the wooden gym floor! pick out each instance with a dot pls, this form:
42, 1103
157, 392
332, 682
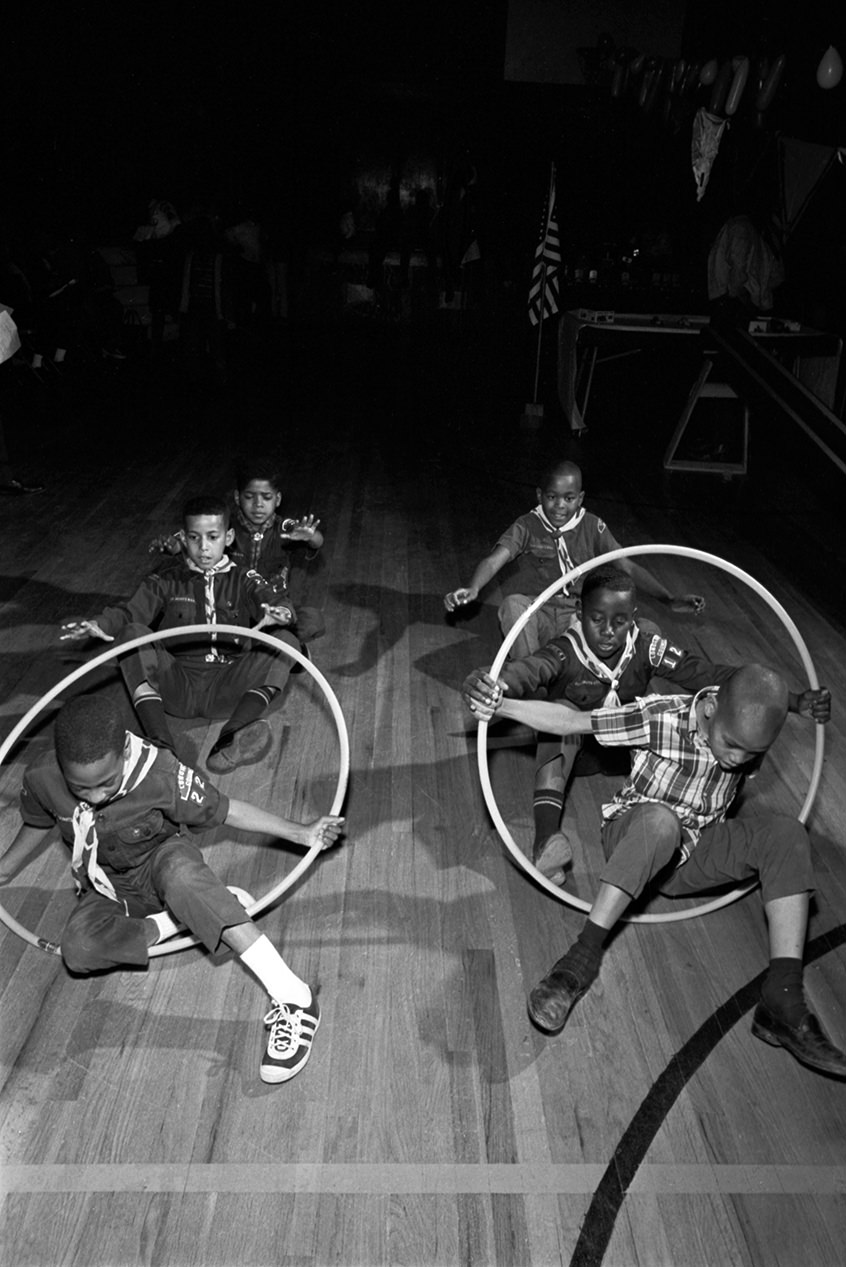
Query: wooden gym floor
433, 1124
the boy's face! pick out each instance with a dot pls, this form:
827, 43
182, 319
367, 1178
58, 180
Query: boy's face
735, 740
206, 539
607, 617
561, 499
95, 782
258, 500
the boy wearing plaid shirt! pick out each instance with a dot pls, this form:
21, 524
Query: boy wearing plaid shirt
606, 657
669, 821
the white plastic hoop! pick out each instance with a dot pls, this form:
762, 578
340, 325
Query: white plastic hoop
505, 836
182, 943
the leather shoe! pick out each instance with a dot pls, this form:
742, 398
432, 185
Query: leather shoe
807, 1041
554, 855
245, 747
553, 998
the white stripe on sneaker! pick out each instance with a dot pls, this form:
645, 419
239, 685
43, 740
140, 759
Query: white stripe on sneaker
292, 1031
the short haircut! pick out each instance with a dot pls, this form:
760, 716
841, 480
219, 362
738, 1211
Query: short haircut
609, 577
258, 466
88, 728
206, 504
561, 466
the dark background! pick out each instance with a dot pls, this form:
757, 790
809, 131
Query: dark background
300, 113
280, 112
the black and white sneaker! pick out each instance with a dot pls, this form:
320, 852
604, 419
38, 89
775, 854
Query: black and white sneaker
292, 1031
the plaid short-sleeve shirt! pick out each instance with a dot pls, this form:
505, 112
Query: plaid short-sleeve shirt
672, 764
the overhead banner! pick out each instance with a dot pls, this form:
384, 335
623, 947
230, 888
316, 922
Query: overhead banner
802, 166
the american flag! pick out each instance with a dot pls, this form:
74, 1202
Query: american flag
543, 292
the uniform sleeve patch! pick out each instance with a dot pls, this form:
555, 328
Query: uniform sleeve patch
191, 786
657, 647
670, 656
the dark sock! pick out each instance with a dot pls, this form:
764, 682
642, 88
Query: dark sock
151, 714
249, 708
593, 937
782, 990
584, 957
547, 807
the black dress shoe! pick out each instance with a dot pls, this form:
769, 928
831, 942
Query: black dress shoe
807, 1041
553, 998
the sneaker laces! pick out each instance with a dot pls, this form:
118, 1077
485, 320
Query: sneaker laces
286, 1029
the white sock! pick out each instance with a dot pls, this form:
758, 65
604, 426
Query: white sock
265, 962
166, 925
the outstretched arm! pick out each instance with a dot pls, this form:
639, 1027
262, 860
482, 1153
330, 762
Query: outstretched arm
246, 817
75, 630
552, 719
25, 843
305, 529
485, 572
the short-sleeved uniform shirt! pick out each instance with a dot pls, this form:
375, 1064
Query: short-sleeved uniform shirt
171, 800
528, 541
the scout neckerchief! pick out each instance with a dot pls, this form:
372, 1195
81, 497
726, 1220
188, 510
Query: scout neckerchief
564, 561
612, 676
208, 575
136, 766
257, 535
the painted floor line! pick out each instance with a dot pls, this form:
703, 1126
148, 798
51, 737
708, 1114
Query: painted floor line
362, 1179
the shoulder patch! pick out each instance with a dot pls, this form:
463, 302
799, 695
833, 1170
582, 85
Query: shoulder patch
657, 647
191, 786
601, 525
672, 655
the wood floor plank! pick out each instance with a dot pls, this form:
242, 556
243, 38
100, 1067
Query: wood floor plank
434, 1124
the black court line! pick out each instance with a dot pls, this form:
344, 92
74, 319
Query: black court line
607, 1201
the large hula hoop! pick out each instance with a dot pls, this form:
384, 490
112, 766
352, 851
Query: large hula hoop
273, 894
505, 836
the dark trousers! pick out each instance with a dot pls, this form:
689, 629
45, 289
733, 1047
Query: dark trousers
203, 689
771, 848
104, 934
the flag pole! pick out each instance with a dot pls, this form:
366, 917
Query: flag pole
540, 337
533, 411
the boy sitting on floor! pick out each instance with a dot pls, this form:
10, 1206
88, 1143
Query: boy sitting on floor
552, 539
605, 657
211, 676
668, 823
127, 809
264, 542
